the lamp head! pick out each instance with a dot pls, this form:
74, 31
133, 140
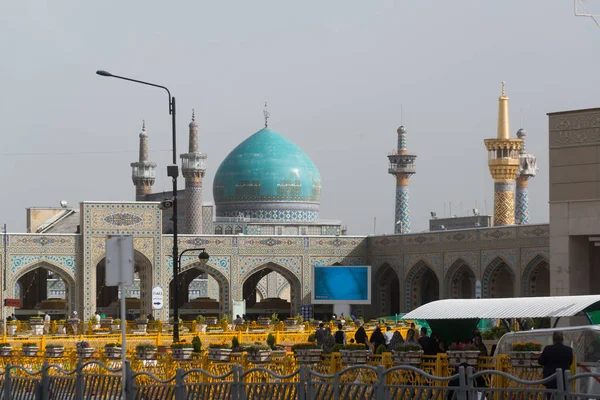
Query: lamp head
103, 73
203, 257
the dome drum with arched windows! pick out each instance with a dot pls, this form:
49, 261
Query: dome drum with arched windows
268, 177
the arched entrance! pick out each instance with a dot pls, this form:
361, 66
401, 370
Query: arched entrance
498, 280
44, 287
273, 285
205, 304
137, 297
265, 306
422, 286
536, 277
388, 291
460, 281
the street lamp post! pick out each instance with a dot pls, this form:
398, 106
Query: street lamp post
173, 172
203, 257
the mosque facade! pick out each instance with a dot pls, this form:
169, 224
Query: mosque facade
264, 235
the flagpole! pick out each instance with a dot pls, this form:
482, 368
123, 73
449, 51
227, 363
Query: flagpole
4, 258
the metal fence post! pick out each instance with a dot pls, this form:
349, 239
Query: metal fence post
79, 381
380, 389
301, 391
235, 388
309, 388
7, 391
561, 383
336, 386
179, 386
44, 384
130, 391
465, 383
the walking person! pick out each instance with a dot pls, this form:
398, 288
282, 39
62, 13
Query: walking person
554, 356
340, 336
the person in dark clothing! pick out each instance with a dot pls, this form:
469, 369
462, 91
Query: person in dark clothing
340, 336
428, 345
320, 334
360, 336
478, 342
555, 356
377, 339
150, 317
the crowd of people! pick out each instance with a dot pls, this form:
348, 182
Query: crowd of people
390, 339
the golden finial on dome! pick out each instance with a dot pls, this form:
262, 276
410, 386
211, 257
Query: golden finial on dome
503, 90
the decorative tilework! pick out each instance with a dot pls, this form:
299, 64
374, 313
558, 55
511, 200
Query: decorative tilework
489, 285
117, 217
122, 219
283, 215
530, 273
497, 234
504, 204
402, 215
420, 239
522, 206
43, 240
432, 259
534, 231
387, 241
529, 253
338, 242
249, 265
65, 263
459, 236
326, 261
469, 258
508, 255
219, 263
415, 281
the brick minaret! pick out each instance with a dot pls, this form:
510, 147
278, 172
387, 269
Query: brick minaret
527, 170
193, 167
402, 166
143, 172
503, 161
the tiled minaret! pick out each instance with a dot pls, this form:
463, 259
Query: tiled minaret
503, 161
192, 168
402, 166
527, 170
143, 172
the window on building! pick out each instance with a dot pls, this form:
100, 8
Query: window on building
279, 230
228, 230
303, 230
218, 230
238, 229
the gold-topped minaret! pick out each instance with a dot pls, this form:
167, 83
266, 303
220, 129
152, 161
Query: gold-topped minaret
503, 160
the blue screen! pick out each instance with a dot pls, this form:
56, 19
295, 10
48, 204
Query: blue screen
341, 283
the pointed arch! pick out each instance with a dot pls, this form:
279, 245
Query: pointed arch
59, 270
224, 289
535, 280
387, 284
422, 285
498, 279
295, 285
460, 281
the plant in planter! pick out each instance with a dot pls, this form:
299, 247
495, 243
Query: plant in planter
197, 343
182, 350
84, 350
219, 351
200, 323
54, 350
235, 345
115, 325
299, 319
145, 351
381, 349
525, 354
271, 340
258, 353
462, 353
312, 338
112, 350
274, 318
309, 352
336, 348
29, 349
354, 354
5, 349
407, 354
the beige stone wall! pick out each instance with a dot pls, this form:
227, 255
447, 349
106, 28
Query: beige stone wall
574, 142
37, 216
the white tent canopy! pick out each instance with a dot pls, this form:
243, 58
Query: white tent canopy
519, 307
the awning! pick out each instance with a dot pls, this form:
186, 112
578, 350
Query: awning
517, 307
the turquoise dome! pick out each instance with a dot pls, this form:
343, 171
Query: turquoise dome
268, 177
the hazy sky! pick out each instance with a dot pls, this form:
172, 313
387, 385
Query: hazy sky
335, 74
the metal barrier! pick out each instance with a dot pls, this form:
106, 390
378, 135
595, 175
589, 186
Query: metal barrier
95, 380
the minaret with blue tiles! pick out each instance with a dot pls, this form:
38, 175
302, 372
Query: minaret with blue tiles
402, 166
527, 170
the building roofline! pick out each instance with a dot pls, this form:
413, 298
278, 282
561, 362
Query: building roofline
573, 111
